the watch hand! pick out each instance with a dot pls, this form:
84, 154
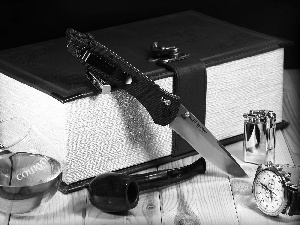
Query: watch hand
272, 193
266, 188
164, 108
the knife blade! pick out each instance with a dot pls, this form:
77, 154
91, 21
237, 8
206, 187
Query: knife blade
203, 141
164, 107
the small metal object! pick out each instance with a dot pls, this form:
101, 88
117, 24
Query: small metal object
167, 102
103, 87
259, 136
187, 114
161, 54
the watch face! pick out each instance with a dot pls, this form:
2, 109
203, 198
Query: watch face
269, 193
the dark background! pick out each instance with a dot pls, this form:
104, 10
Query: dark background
28, 21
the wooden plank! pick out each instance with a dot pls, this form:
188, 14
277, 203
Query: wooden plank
291, 111
60, 210
146, 212
247, 211
204, 199
4, 218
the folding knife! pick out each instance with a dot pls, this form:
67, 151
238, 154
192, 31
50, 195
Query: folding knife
105, 66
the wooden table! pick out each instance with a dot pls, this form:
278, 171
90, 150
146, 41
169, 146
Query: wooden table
211, 198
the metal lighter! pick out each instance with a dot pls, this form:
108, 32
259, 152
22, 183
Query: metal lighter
259, 136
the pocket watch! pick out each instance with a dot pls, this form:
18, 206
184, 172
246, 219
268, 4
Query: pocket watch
276, 189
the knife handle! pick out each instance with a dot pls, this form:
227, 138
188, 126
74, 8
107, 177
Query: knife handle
105, 65
161, 105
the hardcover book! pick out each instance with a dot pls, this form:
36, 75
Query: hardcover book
92, 132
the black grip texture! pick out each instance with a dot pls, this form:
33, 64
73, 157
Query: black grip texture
161, 105
111, 68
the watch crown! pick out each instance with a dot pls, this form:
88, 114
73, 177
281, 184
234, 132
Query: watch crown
289, 183
295, 187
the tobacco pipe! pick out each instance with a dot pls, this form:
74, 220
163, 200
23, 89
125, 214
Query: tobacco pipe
117, 192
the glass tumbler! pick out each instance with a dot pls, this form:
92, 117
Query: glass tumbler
27, 180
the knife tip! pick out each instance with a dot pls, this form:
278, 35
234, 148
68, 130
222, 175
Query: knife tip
240, 174
237, 171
